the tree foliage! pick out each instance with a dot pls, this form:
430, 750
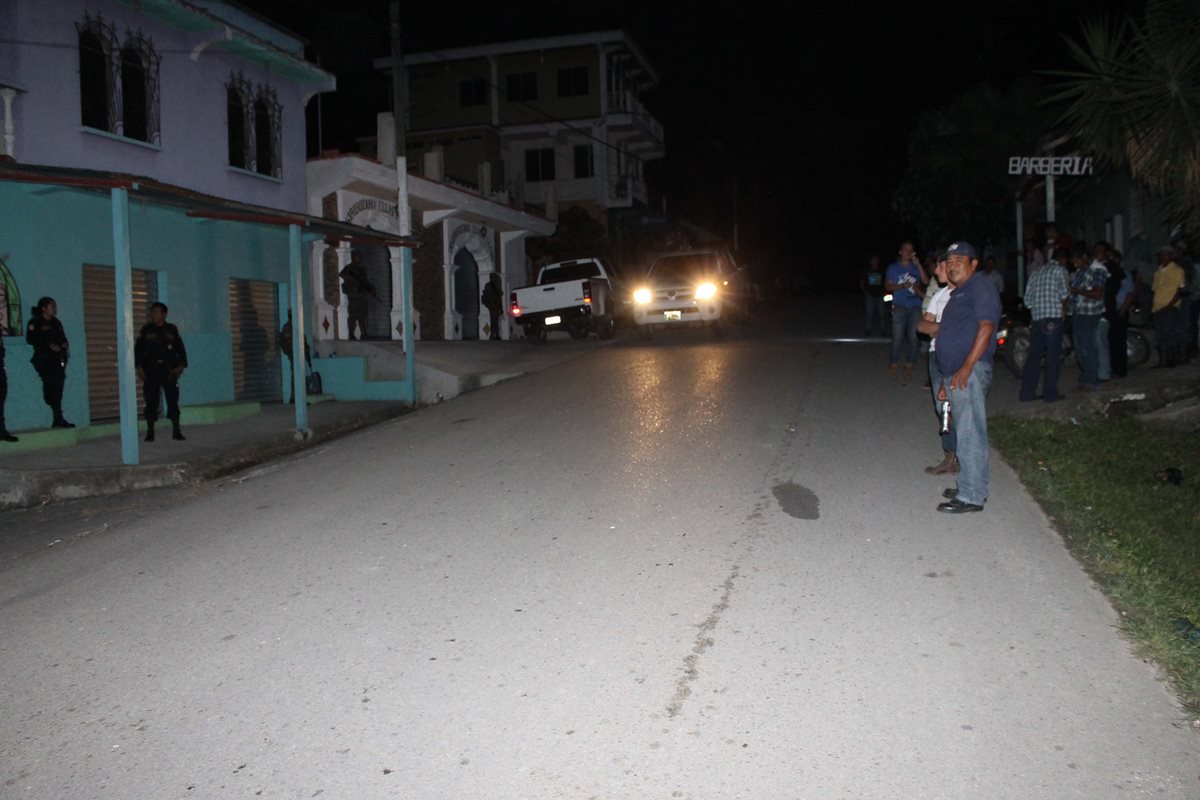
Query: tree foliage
957, 185
1135, 100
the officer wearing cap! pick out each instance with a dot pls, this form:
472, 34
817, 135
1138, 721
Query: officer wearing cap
966, 345
161, 359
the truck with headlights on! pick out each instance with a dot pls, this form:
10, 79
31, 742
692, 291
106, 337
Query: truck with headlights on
690, 287
579, 297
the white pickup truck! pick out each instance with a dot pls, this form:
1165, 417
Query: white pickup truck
577, 296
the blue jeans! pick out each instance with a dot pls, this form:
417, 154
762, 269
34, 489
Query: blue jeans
970, 422
1103, 358
904, 332
1045, 341
1087, 347
935, 383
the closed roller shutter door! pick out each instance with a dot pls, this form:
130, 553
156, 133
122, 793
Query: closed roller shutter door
254, 326
100, 330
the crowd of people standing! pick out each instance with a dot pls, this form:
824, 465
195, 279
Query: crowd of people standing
1083, 290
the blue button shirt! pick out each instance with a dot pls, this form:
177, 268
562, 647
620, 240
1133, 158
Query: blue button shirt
975, 301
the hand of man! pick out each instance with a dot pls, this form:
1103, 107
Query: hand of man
177, 371
941, 395
960, 378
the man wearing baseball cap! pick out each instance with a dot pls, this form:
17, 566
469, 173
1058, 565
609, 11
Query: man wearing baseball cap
966, 344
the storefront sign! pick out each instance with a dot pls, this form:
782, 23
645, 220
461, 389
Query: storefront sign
1050, 165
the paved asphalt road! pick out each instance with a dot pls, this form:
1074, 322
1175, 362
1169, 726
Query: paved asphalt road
678, 569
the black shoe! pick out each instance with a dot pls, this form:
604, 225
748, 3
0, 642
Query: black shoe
957, 506
177, 435
950, 494
61, 423
149, 434
5, 436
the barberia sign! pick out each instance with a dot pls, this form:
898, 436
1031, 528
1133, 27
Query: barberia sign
1050, 165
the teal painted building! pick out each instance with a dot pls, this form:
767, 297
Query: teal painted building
51, 236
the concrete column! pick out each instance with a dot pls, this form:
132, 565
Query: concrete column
410, 358
1020, 249
396, 269
343, 307
296, 303
512, 273
10, 129
385, 138
126, 366
324, 313
452, 320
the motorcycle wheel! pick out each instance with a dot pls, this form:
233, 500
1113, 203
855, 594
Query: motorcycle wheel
1016, 351
1137, 347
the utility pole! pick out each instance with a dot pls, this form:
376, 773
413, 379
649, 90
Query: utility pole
397, 82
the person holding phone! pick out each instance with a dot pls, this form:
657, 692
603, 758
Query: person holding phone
905, 279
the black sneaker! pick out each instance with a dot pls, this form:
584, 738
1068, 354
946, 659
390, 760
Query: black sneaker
5, 436
950, 494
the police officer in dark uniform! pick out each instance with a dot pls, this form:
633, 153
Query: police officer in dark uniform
50, 355
161, 359
5, 436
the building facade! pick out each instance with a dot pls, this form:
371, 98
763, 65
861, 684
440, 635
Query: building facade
547, 122
196, 110
464, 238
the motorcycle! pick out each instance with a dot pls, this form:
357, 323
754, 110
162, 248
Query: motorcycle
1012, 339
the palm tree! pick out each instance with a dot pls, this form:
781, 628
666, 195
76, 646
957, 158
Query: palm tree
1134, 101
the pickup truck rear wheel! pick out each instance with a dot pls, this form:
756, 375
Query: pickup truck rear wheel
578, 329
608, 327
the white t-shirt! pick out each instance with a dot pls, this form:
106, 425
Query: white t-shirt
936, 306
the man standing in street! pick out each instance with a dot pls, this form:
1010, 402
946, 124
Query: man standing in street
904, 280
161, 359
966, 344
989, 269
357, 286
1087, 304
871, 285
1169, 326
1044, 296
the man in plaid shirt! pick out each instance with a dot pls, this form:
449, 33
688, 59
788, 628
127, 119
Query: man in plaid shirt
1087, 306
1044, 297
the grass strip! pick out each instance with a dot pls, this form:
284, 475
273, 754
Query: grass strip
1136, 534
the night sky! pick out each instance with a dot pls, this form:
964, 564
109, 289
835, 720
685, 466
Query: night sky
809, 105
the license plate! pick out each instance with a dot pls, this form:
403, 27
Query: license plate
553, 320
673, 315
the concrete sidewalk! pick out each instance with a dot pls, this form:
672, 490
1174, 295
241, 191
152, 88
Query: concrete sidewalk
31, 477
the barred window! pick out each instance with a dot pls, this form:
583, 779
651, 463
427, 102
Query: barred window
118, 83
253, 117
139, 90
97, 74
237, 109
266, 133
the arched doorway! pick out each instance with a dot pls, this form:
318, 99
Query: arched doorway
466, 292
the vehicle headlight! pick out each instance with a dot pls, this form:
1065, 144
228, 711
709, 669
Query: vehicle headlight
706, 291
641, 296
